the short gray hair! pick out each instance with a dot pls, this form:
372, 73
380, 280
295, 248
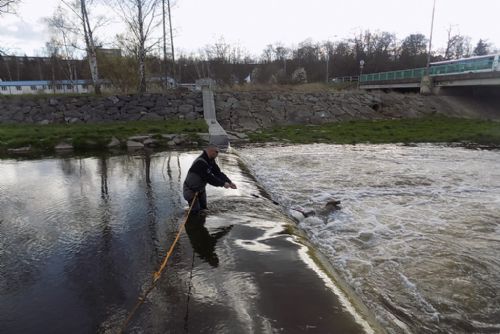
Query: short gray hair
212, 147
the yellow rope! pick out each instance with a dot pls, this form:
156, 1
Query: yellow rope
157, 274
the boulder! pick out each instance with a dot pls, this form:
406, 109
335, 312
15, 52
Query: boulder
178, 140
114, 99
148, 104
299, 76
63, 146
232, 102
186, 109
20, 150
139, 138
114, 143
238, 135
72, 120
170, 111
134, 145
192, 115
169, 136
151, 117
150, 142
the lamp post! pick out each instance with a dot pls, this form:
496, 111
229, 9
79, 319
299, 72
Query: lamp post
361, 65
328, 46
427, 68
327, 60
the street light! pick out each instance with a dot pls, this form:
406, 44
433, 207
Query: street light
430, 40
361, 65
327, 60
328, 46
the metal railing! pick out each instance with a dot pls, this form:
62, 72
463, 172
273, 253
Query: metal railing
345, 79
465, 66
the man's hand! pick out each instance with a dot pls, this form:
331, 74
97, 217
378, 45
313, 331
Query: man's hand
229, 185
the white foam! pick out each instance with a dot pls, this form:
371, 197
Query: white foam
400, 207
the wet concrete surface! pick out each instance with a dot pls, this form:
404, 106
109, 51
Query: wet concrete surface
77, 261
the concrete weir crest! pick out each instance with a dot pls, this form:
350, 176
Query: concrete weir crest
218, 135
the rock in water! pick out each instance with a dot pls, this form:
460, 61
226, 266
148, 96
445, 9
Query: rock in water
332, 205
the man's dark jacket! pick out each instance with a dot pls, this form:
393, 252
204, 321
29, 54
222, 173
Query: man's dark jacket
204, 170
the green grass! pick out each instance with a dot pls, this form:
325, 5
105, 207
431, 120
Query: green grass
90, 136
430, 130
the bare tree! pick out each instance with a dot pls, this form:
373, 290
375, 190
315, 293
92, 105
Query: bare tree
220, 51
88, 33
281, 54
52, 50
8, 6
171, 36
267, 54
65, 40
457, 46
141, 18
83, 26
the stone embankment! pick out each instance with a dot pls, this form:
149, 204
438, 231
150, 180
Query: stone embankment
93, 109
243, 111
236, 111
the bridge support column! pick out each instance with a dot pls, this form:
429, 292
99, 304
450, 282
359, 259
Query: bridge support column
426, 85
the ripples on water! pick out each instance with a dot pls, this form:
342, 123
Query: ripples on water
72, 239
80, 238
418, 236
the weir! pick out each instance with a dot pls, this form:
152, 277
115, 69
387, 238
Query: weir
95, 229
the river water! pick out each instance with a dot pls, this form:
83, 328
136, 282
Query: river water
418, 233
81, 237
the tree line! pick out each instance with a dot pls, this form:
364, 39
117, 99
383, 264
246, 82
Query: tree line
75, 52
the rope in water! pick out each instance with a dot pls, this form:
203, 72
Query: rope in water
157, 274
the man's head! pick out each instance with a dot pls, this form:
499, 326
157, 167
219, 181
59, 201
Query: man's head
212, 151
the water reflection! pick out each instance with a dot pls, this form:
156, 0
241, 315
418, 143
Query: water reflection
73, 234
202, 241
81, 237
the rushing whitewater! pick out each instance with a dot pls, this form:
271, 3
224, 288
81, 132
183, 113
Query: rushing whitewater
418, 235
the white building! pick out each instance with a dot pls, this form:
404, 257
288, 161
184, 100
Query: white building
44, 87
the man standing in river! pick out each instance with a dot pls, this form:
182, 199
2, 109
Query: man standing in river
204, 170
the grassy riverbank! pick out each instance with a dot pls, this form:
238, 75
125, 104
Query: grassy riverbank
83, 136
43, 138
429, 130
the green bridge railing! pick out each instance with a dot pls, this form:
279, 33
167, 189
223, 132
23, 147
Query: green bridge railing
418, 73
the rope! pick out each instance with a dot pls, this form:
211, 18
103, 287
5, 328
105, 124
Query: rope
157, 274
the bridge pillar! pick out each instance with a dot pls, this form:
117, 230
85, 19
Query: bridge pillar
426, 85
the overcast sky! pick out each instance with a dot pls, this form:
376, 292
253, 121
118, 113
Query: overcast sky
254, 24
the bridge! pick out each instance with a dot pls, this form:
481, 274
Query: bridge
471, 72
